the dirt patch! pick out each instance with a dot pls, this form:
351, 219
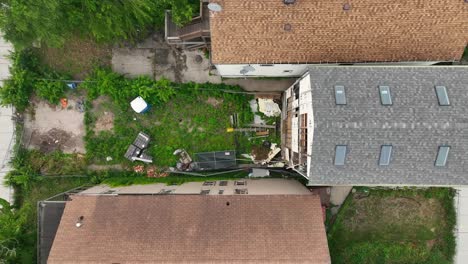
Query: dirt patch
104, 117
214, 102
50, 127
77, 56
104, 122
54, 139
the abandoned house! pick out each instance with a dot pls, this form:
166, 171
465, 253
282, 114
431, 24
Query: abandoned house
272, 221
282, 37
380, 125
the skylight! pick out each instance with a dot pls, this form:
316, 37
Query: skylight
442, 95
340, 95
385, 96
442, 155
385, 155
340, 155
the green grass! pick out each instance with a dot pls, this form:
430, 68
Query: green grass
188, 121
395, 226
116, 179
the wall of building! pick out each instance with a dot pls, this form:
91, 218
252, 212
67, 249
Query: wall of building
291, 70
252, 187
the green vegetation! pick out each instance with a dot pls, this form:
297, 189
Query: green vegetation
25, 22
465, 54
395, 226
189, 116
27, 77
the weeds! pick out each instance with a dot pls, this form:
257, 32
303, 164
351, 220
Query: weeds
411, 238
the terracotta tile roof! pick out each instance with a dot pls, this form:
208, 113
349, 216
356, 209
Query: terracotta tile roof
321, 31
192, 229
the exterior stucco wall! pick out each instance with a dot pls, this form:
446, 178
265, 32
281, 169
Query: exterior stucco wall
291, 70
253, 186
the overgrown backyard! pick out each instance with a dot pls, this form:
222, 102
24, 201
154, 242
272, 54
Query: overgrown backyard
190, 116
194, 117
395, 226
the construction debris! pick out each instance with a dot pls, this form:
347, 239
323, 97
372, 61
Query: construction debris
260, 157
137, 150
185, 161
268, 107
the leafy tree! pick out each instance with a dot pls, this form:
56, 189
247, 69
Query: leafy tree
52, 21
11, 223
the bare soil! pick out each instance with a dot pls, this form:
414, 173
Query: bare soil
105, 117
50, 127
214, 102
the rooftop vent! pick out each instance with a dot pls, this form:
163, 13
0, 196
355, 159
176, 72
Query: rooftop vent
347, 7
289, 2
287, 27
79, 222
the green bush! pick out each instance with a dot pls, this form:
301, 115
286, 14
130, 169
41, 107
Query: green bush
121, 90
50, 91
17, 90
54, 21
27, 77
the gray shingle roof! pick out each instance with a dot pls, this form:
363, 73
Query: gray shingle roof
415, 125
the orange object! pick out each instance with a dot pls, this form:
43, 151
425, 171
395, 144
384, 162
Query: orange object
64, 102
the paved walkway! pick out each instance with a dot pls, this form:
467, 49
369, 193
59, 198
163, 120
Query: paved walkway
6, 123
153, 57
461, 205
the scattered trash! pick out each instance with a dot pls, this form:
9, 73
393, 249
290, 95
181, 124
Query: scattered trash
185, 161
257, 173
80, 106
108, 158
139, 105
263, 155
258, 120
137, 150
64, 102
72, 85
268, 107
138, 168
253, 105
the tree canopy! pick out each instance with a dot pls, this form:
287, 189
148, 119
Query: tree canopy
24, 22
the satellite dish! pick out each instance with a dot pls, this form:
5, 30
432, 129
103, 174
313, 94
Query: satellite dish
214, 7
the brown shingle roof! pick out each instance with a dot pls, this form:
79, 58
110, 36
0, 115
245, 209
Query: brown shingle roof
192, 229
321, 31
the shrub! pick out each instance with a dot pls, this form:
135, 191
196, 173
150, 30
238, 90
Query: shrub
49, 90
17, 90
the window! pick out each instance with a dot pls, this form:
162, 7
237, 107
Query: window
385, 155
442, 154
220, 191
442, 95
209, 183
241, 191
340, 95
243, 183
340, 155
204, 192
223, 183
385, 96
